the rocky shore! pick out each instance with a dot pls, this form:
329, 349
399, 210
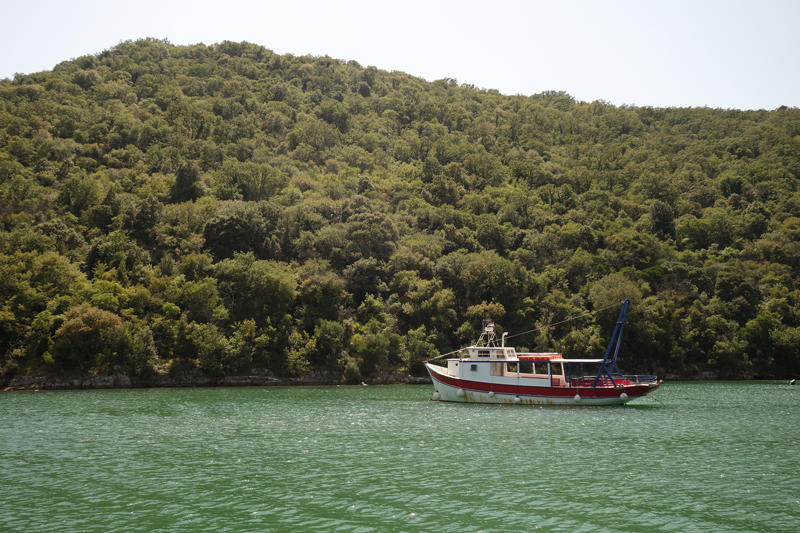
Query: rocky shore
195, 378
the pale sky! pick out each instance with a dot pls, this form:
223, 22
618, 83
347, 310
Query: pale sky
676, 53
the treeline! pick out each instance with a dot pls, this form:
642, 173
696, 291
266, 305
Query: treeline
224, 207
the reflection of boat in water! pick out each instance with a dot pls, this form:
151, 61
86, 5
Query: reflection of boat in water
492, 373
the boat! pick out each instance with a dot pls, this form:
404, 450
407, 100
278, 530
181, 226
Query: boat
491, 372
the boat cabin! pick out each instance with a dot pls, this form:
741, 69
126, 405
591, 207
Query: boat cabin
483, 363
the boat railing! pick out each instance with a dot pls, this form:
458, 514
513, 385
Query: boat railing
624, 381
642, 380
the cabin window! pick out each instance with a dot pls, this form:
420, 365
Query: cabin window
483, 353
512, 367
526, 368
540, 368
474, 368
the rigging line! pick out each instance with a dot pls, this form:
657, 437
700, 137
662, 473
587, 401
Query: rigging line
531, 331
567, 320
656, 399
443, 355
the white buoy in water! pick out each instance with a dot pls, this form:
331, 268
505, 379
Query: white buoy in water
437, 396
460, 393
623, 396
491, 394
516, 399
577, 397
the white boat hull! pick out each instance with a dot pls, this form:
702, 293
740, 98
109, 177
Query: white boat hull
452, 389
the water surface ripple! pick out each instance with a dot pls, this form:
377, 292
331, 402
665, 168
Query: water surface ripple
714, 457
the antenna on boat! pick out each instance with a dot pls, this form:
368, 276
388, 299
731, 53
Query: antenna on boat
487, 334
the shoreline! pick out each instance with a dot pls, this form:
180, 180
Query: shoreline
195, 378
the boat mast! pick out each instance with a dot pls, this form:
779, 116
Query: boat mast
609, 362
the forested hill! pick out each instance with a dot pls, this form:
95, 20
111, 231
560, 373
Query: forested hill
229, 208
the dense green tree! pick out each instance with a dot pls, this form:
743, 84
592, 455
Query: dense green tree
321, 294
88, 338
256, 288
242, 227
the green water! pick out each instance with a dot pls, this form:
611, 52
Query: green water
713, 457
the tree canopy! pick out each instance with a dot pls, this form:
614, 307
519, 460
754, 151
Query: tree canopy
227, 208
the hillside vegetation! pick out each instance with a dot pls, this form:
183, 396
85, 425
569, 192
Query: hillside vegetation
224, 207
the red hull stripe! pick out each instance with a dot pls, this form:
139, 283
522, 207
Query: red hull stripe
632, 391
